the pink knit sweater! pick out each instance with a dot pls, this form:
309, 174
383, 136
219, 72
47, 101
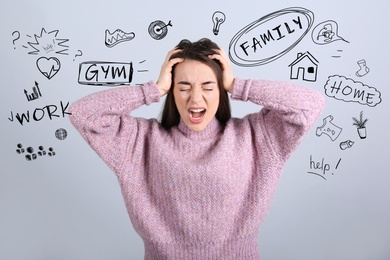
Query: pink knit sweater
198, 195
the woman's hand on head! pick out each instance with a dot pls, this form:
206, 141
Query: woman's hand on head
165, 78
227, 71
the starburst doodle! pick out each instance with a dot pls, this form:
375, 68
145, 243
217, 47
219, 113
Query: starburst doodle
48, 42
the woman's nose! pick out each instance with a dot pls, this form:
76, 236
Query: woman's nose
196, 95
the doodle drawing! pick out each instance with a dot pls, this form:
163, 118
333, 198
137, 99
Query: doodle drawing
158, 29
78, 54
321, 168
346, 144
48, 66
142, 70
329, 129
116, 37
48, 42
35, 94
102, 73
306, 65
48, 111
61, 134
360, 125
270, 37
363, 68
338, 54
31, 154
326, 32
20, 149
17, 37
348, 90
218, 18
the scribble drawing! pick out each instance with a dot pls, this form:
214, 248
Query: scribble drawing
346, 144
158, 29
31, 154
326, 32
218, 18
329, 129
306, 65
48, 66
35, 94
102, 73
116, 37
270, 37
363, 70
360, 125
48, 42
348, 90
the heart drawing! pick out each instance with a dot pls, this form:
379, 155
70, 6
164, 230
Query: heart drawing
48, 66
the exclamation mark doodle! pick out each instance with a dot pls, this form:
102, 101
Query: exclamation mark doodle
337, 165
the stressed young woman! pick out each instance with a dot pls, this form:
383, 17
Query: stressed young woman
198, 183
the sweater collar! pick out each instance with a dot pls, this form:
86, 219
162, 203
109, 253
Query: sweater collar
211, 130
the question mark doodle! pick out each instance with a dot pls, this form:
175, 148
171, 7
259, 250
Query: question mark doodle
16, 37
81, 53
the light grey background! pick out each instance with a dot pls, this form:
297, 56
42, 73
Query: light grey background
69, 206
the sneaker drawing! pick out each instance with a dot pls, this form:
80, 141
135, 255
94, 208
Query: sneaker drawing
118, 36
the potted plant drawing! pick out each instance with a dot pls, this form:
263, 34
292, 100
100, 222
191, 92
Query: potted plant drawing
361, 125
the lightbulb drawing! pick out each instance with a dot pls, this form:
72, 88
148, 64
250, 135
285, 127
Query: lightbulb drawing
218, 18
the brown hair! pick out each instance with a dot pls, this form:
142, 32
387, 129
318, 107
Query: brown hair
199, 51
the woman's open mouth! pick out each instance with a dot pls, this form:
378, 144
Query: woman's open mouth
196, 115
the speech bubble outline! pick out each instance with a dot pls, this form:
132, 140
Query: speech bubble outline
326, 32
240, 60
348, 90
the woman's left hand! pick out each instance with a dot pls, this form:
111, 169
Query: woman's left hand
227, 71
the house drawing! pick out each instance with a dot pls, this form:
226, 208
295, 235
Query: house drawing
304, 66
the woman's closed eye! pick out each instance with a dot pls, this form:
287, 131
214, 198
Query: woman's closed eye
208, 85
184, 86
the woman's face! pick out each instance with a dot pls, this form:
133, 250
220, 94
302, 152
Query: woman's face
196, 93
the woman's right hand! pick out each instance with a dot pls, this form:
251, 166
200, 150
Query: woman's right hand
165, 79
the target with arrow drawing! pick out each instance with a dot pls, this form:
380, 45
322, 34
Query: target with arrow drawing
158, 29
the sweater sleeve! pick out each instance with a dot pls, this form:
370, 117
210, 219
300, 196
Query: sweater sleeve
103, 120
289, 111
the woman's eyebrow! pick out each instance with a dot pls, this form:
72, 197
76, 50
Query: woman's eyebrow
183, 82
208, 82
